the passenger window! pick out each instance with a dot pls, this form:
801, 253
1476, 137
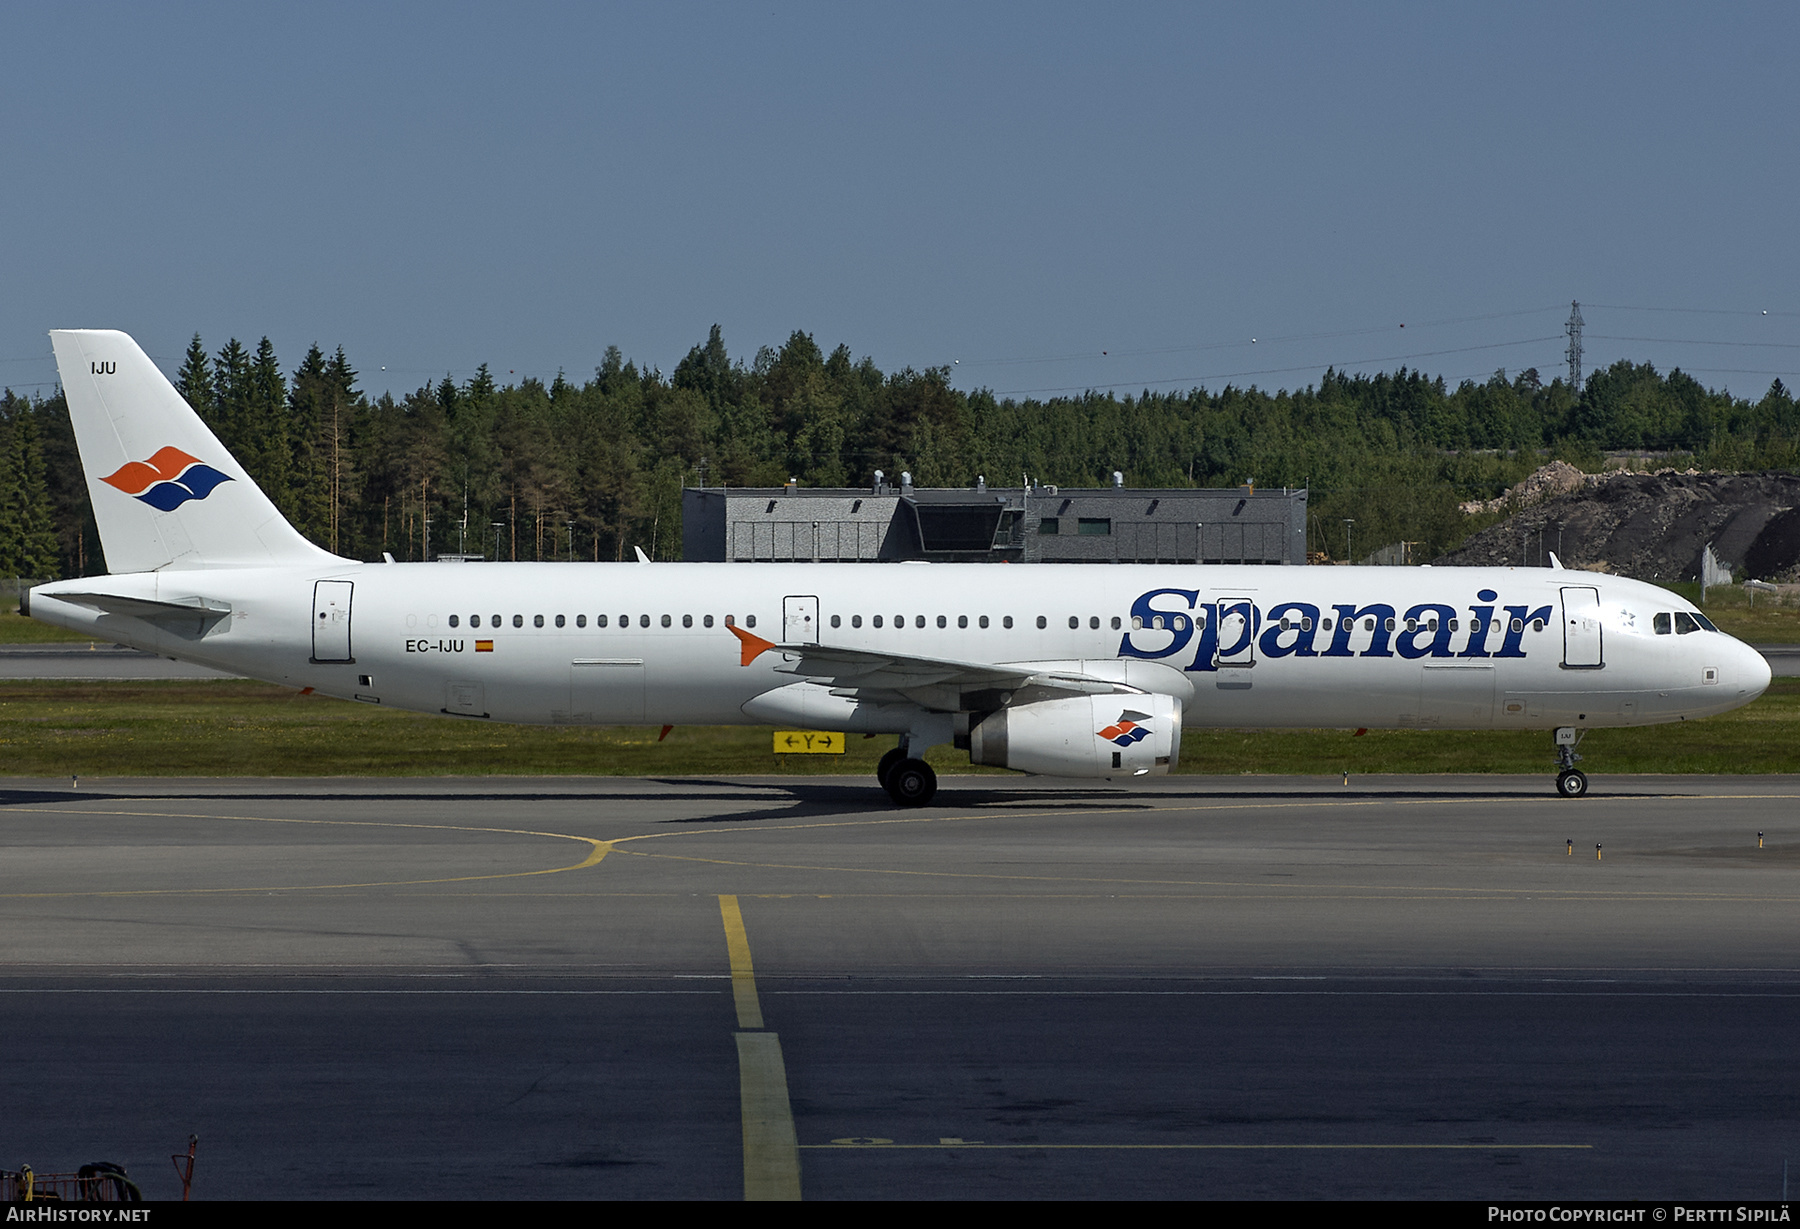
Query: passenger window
1325, 624
599, 620
983, 621
559, 620
943, 622
537, 620
1006, 622
1115, 623
706, 621
855, 620
518, 620
1537, 625
1074, 622
1042, 622
1093, 622
1306, 623
580, 620
730, 620
962, 620
918, 620
666, 621
495, 620
877, 620
836, 621
1137, 623
687, 620
1390, 625
1518, 625
1179, 623
1368, 625
452, 620
749, 620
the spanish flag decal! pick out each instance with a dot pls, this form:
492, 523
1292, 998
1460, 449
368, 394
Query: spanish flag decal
484, 646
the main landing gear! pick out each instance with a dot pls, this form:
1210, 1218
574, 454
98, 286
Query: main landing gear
909, 782
1571, 782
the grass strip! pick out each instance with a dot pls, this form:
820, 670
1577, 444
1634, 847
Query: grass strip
231, 728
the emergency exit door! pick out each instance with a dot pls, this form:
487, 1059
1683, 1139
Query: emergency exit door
1582, 647
331, 621
800, 620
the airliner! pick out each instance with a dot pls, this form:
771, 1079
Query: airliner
1086, 671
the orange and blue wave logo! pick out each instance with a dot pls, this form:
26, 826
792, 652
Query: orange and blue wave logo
167, 480
1124, 732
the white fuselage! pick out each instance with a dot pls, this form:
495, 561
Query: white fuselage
1521, 648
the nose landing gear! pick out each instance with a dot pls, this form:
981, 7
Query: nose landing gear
1571, 782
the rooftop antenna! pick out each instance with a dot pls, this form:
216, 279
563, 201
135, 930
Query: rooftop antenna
1573, 329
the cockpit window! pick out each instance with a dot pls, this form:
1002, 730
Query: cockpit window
1685, 623
1664, 623
1705, 622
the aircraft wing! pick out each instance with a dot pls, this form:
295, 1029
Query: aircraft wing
935, 683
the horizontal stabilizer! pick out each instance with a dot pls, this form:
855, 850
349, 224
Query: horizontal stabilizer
145, 608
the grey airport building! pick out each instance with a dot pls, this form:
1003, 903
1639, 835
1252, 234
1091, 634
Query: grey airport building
885, 523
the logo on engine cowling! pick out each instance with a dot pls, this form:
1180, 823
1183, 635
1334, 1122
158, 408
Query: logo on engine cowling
1125, 731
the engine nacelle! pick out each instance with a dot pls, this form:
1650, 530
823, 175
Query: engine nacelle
1087, 736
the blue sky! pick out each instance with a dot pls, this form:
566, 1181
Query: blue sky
1048, 197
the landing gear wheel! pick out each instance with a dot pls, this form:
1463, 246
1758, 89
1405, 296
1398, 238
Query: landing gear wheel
1571, 784
887, 764
911, 783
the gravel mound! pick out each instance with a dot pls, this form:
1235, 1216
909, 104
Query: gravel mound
1653, 527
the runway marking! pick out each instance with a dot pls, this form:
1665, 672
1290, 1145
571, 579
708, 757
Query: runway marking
743, 975
771, 1145
597, 851
200, 990
1410, 893
884, 1145
771, 1148
1272, 891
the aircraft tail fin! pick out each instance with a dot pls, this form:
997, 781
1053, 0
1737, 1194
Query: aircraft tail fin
164, 490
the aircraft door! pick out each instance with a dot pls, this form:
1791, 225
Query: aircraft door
331, 621
1236, 618
1582, 647
800, 620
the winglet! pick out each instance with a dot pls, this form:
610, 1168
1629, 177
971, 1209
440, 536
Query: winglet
754, 646
641, 556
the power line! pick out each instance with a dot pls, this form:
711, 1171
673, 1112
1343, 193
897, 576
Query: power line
1263, 341
1233, 375
1695, 341
1691, 311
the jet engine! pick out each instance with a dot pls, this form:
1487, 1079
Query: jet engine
1086, 736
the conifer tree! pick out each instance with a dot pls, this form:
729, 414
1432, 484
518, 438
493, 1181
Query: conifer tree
27, 524
195, 379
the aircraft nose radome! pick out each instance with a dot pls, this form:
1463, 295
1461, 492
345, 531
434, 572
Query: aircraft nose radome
1753, 672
